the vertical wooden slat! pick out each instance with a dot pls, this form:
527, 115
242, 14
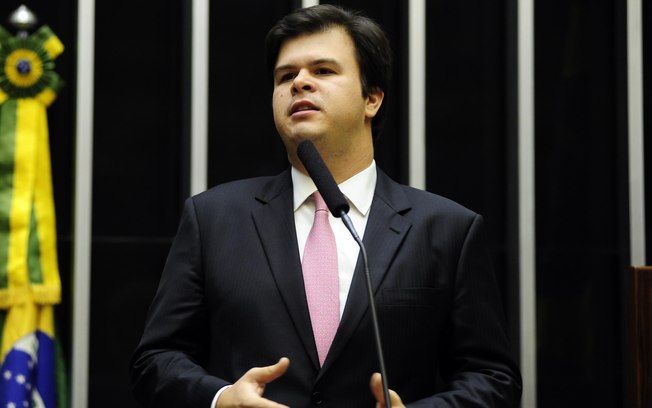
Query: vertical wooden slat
526, 199
83, 202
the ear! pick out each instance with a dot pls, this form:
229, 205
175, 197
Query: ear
373, 102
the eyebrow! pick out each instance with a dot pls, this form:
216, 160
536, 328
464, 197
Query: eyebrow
289, 67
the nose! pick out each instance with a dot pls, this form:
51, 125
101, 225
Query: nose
302, 83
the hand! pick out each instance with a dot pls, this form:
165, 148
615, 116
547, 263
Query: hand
248, 390
377, 390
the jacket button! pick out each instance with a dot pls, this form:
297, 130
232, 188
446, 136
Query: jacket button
317, 398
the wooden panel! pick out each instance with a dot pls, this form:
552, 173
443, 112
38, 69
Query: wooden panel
642, 335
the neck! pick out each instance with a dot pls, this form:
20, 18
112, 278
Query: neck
345, 168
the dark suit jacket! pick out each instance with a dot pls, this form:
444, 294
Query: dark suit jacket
231, 297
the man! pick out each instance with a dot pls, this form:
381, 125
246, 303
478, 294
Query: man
232, 323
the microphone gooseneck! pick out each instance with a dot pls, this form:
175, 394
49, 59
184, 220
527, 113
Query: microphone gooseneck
339, 207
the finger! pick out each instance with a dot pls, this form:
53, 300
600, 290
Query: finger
248, 400
264, 375
265, 403
376, 385
396, 400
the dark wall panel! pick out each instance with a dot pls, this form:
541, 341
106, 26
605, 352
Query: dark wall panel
467, 140
138, 129
125, 276
581, 256
138, 178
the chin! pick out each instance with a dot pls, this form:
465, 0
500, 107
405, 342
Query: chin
298, 135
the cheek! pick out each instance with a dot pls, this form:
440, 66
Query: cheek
275, 109
278, 103
353, 106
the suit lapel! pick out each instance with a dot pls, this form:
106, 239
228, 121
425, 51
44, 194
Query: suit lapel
275, 225
386, 229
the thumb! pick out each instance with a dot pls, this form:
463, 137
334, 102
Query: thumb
264, 375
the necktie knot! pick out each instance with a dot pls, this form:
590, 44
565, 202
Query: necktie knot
320, 204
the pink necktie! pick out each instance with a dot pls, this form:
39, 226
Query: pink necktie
321, 279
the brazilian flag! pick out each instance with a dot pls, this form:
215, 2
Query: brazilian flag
31, 370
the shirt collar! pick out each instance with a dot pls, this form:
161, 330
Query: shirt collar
358, 190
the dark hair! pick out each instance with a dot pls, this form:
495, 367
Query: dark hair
372, 48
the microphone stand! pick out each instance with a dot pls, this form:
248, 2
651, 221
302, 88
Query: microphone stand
372, 306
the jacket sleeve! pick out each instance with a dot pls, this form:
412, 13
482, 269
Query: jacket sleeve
167, 368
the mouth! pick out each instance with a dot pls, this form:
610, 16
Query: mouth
303, 106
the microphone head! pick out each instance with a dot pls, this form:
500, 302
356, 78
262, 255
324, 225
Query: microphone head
323, 179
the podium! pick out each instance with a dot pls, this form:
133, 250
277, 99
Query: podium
641, 336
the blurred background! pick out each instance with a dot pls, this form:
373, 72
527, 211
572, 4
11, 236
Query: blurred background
127, 141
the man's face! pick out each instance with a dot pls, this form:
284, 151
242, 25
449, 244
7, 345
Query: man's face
318, 94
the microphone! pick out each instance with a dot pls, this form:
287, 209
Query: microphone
339, 207
323, 178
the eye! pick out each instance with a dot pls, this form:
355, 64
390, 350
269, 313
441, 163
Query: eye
286, 77
323, 71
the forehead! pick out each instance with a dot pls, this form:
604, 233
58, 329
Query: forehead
332, 43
